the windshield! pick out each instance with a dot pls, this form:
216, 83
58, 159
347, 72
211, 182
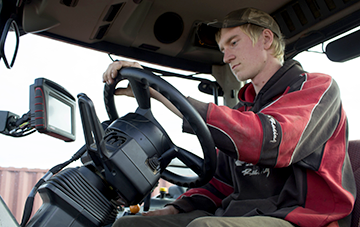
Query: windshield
80, 70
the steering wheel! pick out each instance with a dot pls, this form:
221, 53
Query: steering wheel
140, 81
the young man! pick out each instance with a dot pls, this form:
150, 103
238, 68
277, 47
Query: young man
283, 148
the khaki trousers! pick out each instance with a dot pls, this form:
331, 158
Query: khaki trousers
199, 219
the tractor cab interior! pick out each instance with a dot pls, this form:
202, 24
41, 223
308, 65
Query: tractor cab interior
163, 33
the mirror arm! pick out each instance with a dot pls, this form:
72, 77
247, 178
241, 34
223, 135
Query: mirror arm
10, 24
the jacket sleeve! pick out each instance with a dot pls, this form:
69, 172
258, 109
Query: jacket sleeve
276, 134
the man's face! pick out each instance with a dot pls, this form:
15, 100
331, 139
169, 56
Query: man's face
245, 59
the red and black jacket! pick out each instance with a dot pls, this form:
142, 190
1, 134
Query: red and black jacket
283, 153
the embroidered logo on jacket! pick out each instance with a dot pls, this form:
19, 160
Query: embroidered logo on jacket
274, 130
251, 170
256, 172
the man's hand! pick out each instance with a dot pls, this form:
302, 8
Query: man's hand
164, 211
111, 73
112, 70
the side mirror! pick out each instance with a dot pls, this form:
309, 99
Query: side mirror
9, 42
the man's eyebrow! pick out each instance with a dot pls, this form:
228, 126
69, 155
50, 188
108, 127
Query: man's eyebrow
228, 40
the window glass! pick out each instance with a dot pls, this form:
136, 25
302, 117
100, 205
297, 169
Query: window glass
79, 70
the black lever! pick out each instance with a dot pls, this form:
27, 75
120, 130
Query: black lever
93, 130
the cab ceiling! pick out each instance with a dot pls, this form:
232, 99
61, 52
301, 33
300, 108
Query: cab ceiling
163, 31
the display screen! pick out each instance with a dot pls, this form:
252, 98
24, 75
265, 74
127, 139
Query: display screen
52, 109
59, 114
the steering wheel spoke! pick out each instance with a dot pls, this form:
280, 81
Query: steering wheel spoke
191, 160
141, 92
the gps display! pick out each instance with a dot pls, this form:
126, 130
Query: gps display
52, 109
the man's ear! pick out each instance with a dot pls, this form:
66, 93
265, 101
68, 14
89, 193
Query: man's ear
268, 36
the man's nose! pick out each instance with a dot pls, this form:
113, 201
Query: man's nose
228, 56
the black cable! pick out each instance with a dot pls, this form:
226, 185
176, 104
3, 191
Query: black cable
20, 127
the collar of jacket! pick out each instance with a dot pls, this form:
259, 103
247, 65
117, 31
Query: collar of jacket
288, 74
